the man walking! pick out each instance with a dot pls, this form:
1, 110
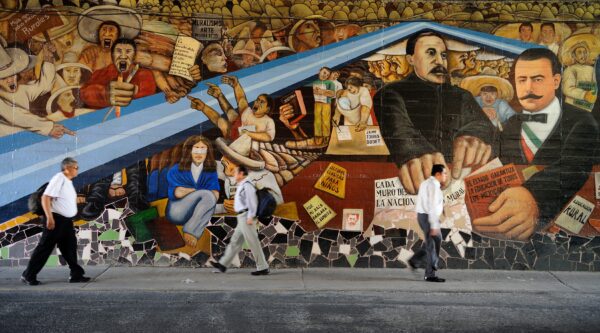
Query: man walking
245, 205
430, 205
59, 202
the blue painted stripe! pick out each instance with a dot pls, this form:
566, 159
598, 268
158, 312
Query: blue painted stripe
33, 159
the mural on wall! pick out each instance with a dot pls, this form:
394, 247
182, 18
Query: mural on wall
338, 108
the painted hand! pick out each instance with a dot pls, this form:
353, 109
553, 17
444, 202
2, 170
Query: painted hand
214, 90
230, 80
514, 215
59, 130
415, 171
121, 93
195, 73
361, 126
469, 151
490, 113
196, 104
589, 97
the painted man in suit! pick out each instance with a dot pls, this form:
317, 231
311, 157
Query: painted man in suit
543, 134
425, 120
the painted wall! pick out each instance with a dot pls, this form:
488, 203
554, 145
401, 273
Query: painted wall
336, 107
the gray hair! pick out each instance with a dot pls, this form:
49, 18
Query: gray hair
67, 162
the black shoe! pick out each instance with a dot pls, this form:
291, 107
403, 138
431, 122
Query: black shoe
28, 282
263, 272
79, 279
434, 279
218, 266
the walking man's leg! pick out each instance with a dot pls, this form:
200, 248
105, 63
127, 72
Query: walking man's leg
251, 236
236, 242
41, 253
67, 244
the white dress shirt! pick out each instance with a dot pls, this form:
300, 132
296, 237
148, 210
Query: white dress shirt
196, 170
430, 201
543, 130
245, 198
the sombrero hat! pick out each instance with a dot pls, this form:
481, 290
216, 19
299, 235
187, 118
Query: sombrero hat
474, 84
245, 47
12, 61
268, 45
240, 152
589, 41
90, 20
10, 8
394, 50
70, 60
55, 95
69, 23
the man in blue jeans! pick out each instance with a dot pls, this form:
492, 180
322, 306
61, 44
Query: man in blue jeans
430, 205
245, 205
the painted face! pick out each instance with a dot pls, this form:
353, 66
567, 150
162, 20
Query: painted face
213, 57
248, 60
385, 68
107, 35
456, 60
72, 75
525, 33
260, 106
402, 65
352, 219
374, 68
9, 84
581, 55
535, 83
229, 167
471, 60
199, 152
353, 89
324, 74
548, 34
429, 59
66, 101
123, 55
488, 97
309, 34
257, 34
26, 76
335, 75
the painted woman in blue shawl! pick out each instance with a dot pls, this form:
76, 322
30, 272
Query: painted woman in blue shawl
193, 188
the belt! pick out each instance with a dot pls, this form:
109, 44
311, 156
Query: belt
242, 211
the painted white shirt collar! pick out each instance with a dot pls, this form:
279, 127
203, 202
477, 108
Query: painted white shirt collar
541, 130
196, 170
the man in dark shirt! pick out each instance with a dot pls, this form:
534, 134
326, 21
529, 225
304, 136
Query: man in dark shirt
425, 121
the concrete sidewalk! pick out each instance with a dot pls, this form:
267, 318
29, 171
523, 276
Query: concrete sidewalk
108, 278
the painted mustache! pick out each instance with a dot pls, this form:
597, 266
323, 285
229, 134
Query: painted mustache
439, 70
530, 96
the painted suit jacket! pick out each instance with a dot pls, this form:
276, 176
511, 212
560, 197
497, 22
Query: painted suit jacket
568, 155
417, 117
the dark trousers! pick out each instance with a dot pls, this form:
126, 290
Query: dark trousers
429, 250
62, 235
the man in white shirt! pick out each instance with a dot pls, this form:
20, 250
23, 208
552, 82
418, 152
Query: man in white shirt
60, 205
430, 205
246, 203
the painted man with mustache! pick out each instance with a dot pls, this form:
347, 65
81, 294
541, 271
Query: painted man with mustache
104, 87
425, 120
99, 56
543, 134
